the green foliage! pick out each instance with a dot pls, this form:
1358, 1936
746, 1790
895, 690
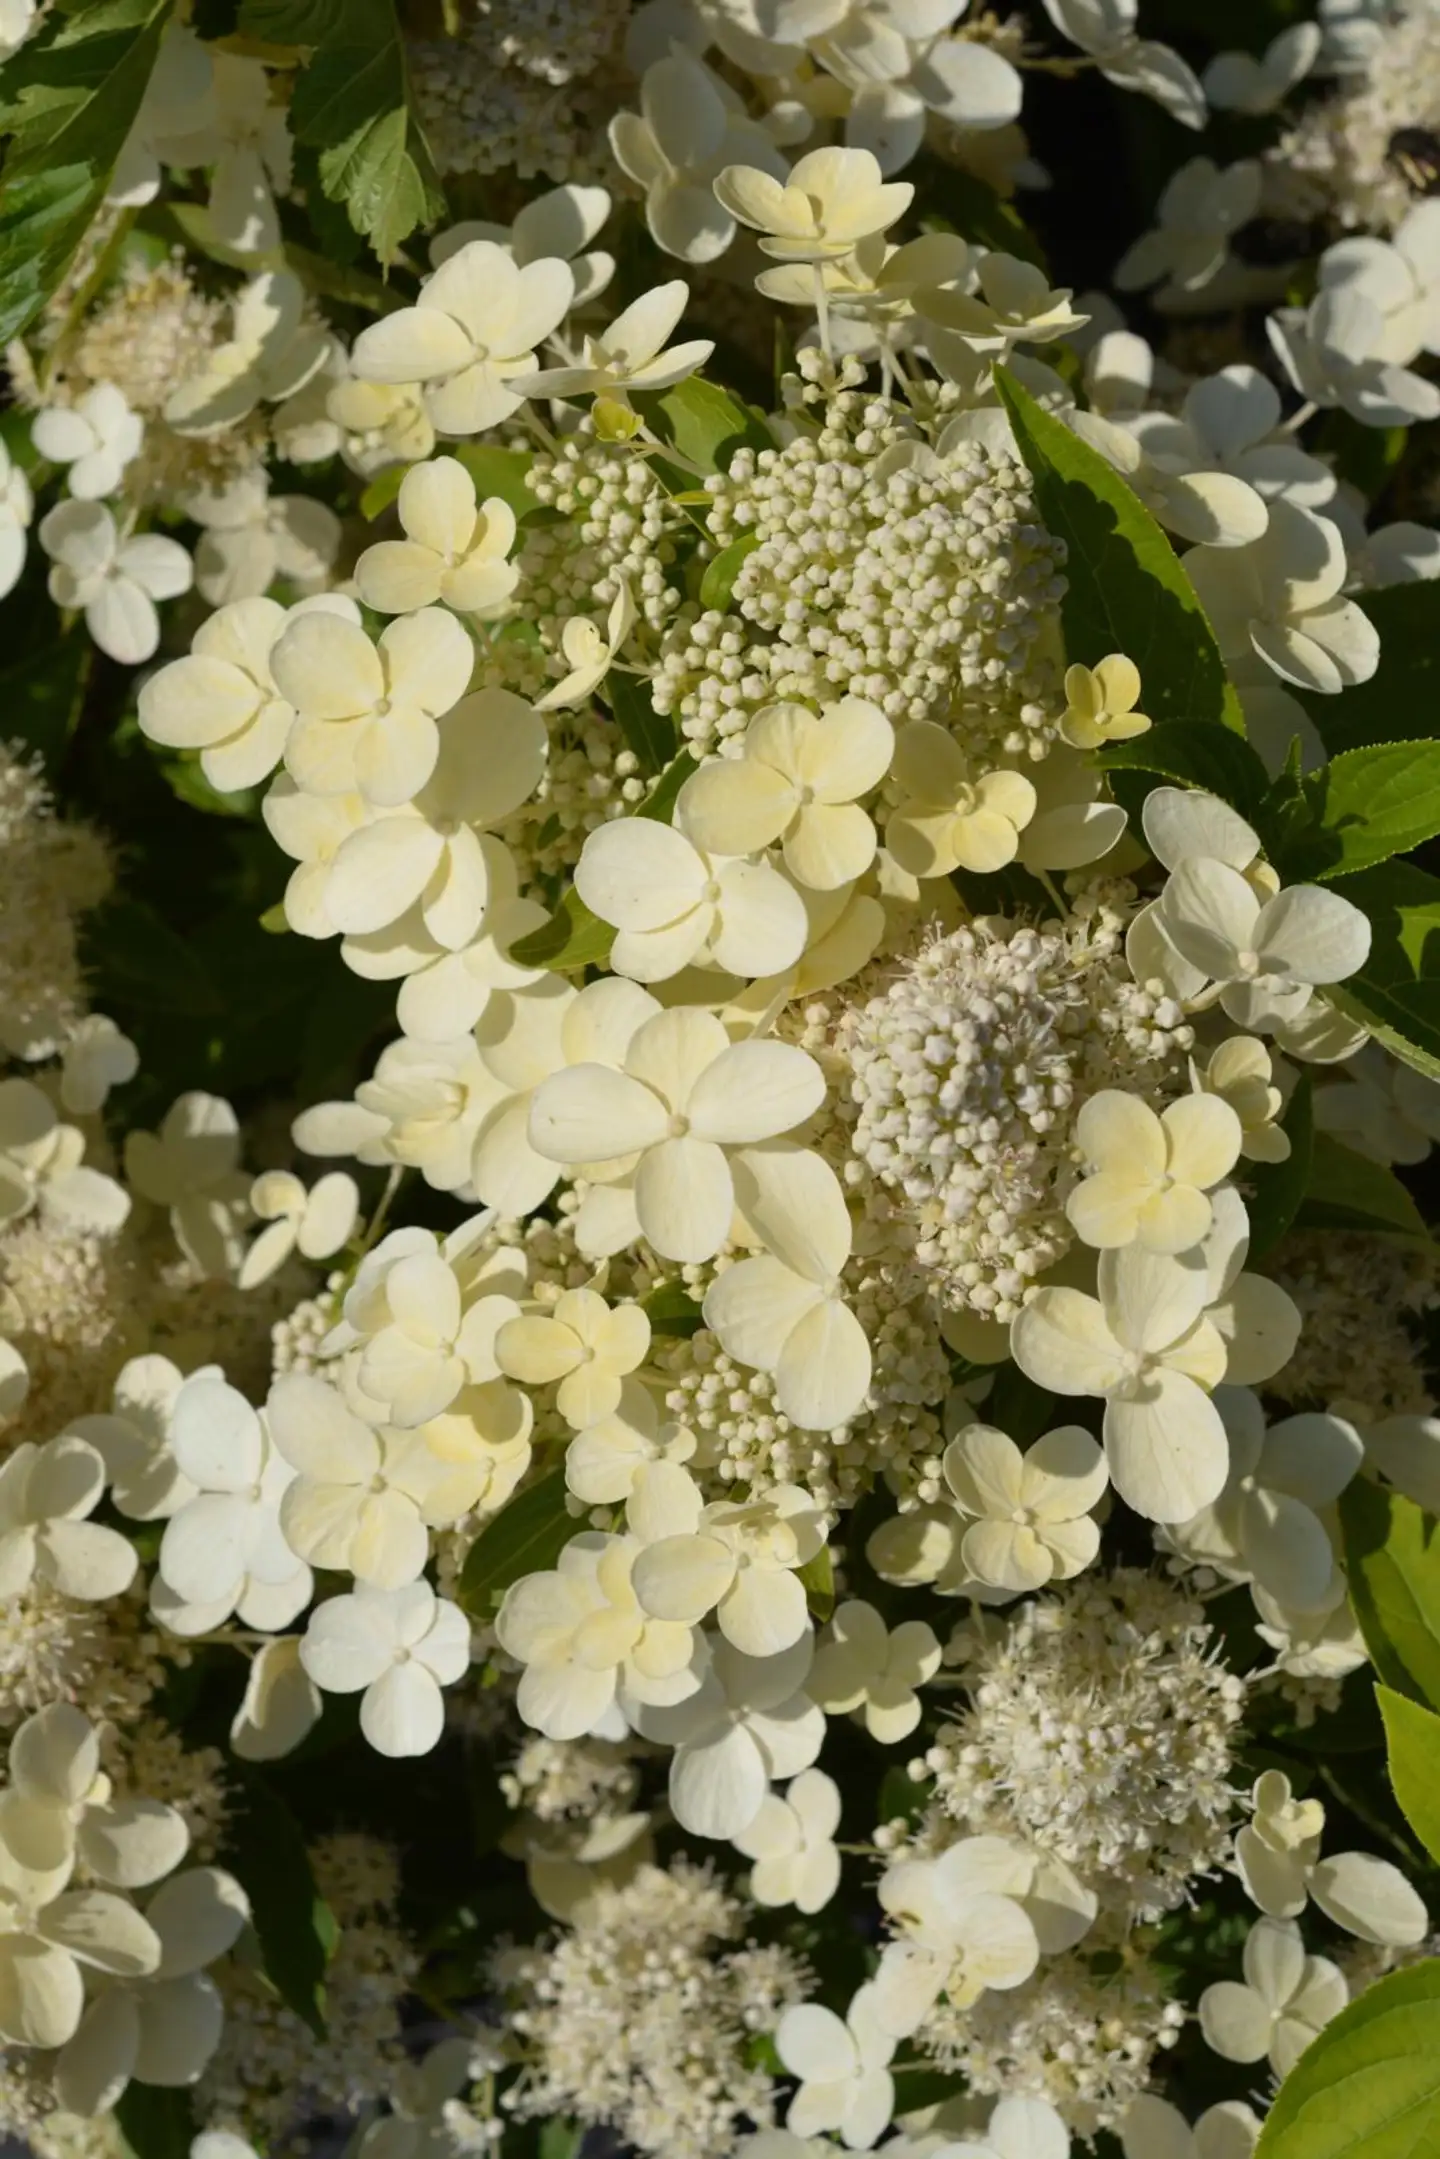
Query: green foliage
650, 734
661, 804
671, 1309
1126, 588
41, 695
705, 423
527, 1537
293, 1924
818, 1577
1348, 1191
497, 472
1277, 1189
571, 940
718, 583
1399, 702
1392, 1557
1397, 992
156, 2122
1364, 806
1369, 2086
136, 959
1412, 1749
1198, 754
352, 107
68, 100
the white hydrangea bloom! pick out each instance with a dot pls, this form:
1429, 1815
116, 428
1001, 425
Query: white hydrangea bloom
589, 652
281, 1703
1028, 1515
1148, 1176
750, 1721
59, 1809
947, 817
472, 332
250, 537
796, 782
224, 1550
97, 437
49, 1941
1201, 207
1277, 1854
684, 1096
1239, 82
691, 125
1230, 422
1267, 957
46, 1493
1268, 1523
1105, 29
1153, 2129
1286, 1997
792, 1842
1333, 352
396, 1649
274, 349
1241, 1071
453, 552
843, 2067
133, 1438
191, 1166
96, 1058
960, 1935
1100, 703
1017, 2129
42, 1165
828, 201
314, 1223
366, 713
1216, 509
631, 353
560, 223
590, 1348
672, 905
864, 1666
785, 1311
115, 581
603, 1459
1281, 597
737, 1559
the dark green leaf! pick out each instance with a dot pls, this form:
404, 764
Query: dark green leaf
1397, 992
526, 1538
1369, 2086
900, 1796
1198, 754
559, 2140
718, 582
137, 960
650, 734
293, 1924
671, 1309
156, 2122
1373, 803
573, 938
1018, 1406
1412, 1756
1392, 1559
352, 105
41, 696
707, 425
68, 99
818, 1578
1277, 1188
1348, 1191
1126, 590
661, 804
1399, 702
498, 472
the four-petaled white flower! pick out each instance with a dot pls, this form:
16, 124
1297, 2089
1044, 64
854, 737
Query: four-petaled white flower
584, 1344
1149, 1176
472, 332
315, 1223
1242, 1072
58, 1808
396, 1649
1105, 29
1285, 1999
1239, 82
844, 2072
749, 1722
1267, 956
115, 581
366, 713
272, 352
1029, 1514
97, 437
1012, 304
960, 1935
561, 223
862, 1665
1281, 597
1334, 352
1201, 206
826, 202
671, 904
453, 552
191, 1166
42, 1165
684, 1096
947, 817
1153, 2129
630, 353
738, 1559
1100, 703
46, 1493
792, 1842
250, 537
784, 1312
589, 651
96, 1058
224, 1550
603, 1460
1213, 508
691, 125
133, 1437
1277, 1853
797, 781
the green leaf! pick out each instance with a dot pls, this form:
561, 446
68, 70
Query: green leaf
1392, 1559
137, 960
68, 99
1349, 1191
1369, 2086
382, 491
706, 424
650, 734
901, 1797
1397, 992
573, 938
718, 582
293, 1924
1412, 1756
1278, 1188
661, 804
818, 1577
526, 1537
1198, 754
671, 1309
497, 472
1370, 804
41, 696
352, 105
1399, 701
1126, 589
156, 2121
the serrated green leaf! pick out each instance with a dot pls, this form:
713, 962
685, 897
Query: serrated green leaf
1348, 1191
706, 424
1277, 1189
718, 583
1412, 1756
650, 734
1198, 754
526, 1537
573, 938
1369, 2085
1372, 803
1126, 588
293, 1924
1392, 1559
352, 105
156, 2121
68, 100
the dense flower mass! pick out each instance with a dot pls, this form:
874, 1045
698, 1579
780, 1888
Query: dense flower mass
718, 1433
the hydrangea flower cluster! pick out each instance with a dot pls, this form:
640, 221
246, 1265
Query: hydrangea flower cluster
717, 1009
